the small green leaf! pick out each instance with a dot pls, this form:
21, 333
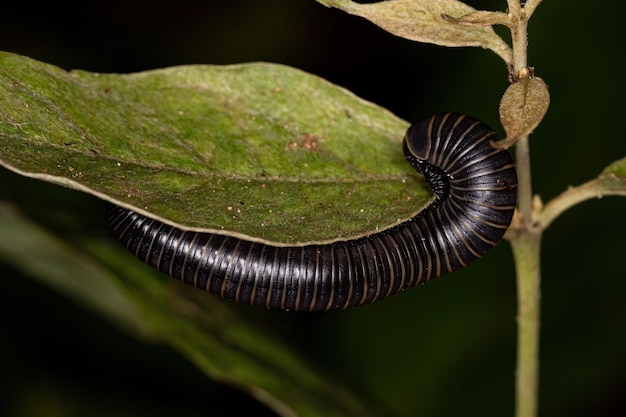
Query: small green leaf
430, 21
259, 150
202, 328
617, 168
612, 180
523, 106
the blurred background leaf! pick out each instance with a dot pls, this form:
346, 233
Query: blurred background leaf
444, 349
220, 342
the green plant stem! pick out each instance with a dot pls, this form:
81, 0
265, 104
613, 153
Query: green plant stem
524, 192
525, 242
526, 245
519, 38
526, 251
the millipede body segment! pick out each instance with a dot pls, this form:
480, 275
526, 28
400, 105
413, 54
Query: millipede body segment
475, 188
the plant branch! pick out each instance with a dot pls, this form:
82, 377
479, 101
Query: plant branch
530, 6
524, 192
519, 37
604, 185
526, 243
515, 8
525, 240
526, 251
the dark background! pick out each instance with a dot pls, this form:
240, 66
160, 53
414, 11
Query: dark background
444, 349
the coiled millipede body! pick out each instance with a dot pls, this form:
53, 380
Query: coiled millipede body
475, 189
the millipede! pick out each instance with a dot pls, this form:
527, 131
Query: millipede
475, 194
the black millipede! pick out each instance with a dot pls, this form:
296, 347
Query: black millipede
475, 193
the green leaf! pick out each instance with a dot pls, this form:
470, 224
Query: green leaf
431, 21
204, 329
259, 150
